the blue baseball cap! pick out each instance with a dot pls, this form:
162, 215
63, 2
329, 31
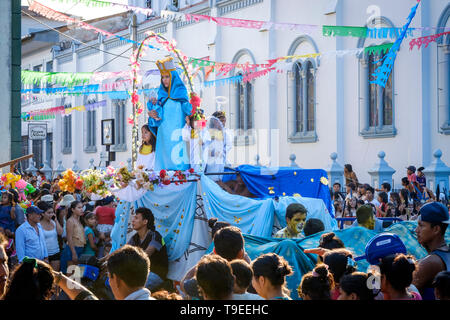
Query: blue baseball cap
382, 245
434, 212
34, 209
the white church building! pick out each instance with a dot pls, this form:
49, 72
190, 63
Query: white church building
318, 106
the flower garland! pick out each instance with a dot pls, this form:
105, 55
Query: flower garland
96, 184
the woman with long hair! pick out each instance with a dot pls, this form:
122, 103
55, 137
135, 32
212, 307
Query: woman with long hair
269, 276
32, 280
76, 239
52, 229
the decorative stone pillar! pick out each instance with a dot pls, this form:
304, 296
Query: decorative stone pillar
59, 169
129, 166
437, 173
75, 167
103, 160
381, 172
335, 171
91, 164
31, 169
47, 170
293, 164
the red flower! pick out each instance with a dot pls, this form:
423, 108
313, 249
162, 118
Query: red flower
134, 98
162, 174
78, 184
191, 170
195, 102
166, 182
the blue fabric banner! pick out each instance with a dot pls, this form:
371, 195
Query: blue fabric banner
120, 228
253, 217
266, 182
174, 210
355, 239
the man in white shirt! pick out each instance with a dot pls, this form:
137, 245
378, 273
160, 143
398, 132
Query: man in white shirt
30, 239
370, 197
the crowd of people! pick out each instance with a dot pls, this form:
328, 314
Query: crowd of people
43, 244
403, 204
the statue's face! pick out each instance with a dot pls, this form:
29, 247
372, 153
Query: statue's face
166, 80
297, 222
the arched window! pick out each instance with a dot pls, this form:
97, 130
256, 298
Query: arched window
298, 97
311, 82
301, 99
443, 70
67, 131
119, 113
380, 109
376, 109
90, 126
302, 84
244, 94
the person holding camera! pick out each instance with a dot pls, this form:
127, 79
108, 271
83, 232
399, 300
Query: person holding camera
51, 229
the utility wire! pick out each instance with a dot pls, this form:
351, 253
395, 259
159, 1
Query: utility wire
81, 42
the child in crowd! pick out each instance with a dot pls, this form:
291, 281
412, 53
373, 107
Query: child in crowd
146, 155
91, 247
317, 284
105, 217
296, 214
338, 208
441, 285
354, 287
313, 226
382, 208
350, 210
269, 276
243, 275
340, 262
330, 241
215, 278
396, 276
7, 214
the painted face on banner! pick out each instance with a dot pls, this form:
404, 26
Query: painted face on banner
297, 222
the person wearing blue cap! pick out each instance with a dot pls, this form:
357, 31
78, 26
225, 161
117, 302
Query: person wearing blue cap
432, 224
30, 239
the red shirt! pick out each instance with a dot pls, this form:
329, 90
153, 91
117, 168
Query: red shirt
105, 215
412, 177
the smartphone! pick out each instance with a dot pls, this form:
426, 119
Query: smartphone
53, 217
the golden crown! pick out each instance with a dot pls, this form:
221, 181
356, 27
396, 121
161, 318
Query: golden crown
165, 66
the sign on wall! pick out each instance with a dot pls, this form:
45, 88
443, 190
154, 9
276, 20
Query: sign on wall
37, 131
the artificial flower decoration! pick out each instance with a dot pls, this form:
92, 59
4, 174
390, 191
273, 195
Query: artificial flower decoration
324, 181
67, 183
79, 184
